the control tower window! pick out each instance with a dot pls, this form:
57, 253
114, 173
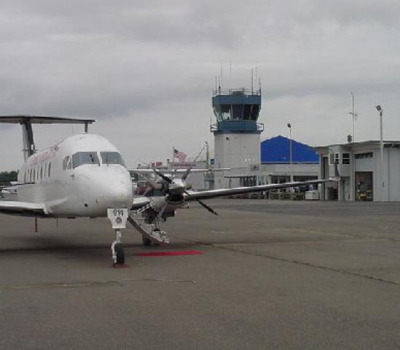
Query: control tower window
237, 112
81, 158
112, 158
255, 111
223, 112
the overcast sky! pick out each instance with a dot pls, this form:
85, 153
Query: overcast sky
145, 70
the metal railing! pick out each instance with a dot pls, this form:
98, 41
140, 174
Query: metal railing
237, 92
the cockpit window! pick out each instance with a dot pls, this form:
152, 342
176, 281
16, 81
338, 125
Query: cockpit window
112, 158
81, 158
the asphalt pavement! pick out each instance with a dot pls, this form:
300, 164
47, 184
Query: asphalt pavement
263, 274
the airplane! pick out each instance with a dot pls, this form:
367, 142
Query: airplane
85, 175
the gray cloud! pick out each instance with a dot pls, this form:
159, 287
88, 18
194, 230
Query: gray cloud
145, 70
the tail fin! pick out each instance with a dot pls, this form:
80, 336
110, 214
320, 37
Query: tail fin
27, 133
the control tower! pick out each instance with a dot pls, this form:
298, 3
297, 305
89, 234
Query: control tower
236, 132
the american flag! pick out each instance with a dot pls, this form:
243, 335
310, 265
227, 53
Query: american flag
179, 155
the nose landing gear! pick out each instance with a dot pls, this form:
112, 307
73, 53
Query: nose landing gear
118, 219
118, 255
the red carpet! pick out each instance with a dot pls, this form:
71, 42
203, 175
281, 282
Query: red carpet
184, 252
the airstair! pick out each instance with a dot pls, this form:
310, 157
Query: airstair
150, 232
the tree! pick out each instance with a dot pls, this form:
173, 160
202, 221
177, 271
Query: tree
7, 176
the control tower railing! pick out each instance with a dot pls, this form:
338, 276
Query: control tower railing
238, 92
237, 126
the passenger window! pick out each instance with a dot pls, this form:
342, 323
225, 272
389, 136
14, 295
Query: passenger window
112, 158
82, 158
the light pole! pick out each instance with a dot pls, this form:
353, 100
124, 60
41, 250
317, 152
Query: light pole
290, 151
380, 110
353, 114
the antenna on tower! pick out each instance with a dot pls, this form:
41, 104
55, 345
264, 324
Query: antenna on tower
230, 72
252, 89
221, 76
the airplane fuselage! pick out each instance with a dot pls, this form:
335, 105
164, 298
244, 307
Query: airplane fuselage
80, 176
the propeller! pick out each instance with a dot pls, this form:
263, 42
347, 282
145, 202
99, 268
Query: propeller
183, 178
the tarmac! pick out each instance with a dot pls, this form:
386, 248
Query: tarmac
263, 274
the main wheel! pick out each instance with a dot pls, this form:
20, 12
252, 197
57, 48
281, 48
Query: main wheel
119, 254
146, 241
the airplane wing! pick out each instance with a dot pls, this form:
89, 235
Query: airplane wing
139, 202
177, 171
193, 195
23, 208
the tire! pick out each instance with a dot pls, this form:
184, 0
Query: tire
146, 241
120, 255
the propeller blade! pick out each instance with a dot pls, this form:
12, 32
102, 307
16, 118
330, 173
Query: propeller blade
160, 174
186, 174
211, 210
204, 205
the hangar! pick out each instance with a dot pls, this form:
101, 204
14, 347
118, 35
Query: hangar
284, 159
364, 175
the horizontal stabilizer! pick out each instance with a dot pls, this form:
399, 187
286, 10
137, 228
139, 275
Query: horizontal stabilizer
34, 119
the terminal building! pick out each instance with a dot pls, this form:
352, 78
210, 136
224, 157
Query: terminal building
364, 175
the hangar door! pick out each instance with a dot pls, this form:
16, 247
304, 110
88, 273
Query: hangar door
364, 186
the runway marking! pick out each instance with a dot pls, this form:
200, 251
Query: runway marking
176, 253
88, 284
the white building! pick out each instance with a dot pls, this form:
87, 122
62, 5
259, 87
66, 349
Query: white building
359, 169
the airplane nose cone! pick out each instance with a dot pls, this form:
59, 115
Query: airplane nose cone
113, 189
119, 195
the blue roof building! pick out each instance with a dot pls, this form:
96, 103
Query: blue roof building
277, 151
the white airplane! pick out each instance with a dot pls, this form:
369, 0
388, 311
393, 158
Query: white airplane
85, 176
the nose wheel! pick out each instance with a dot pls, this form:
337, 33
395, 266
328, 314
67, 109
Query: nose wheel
118, 255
